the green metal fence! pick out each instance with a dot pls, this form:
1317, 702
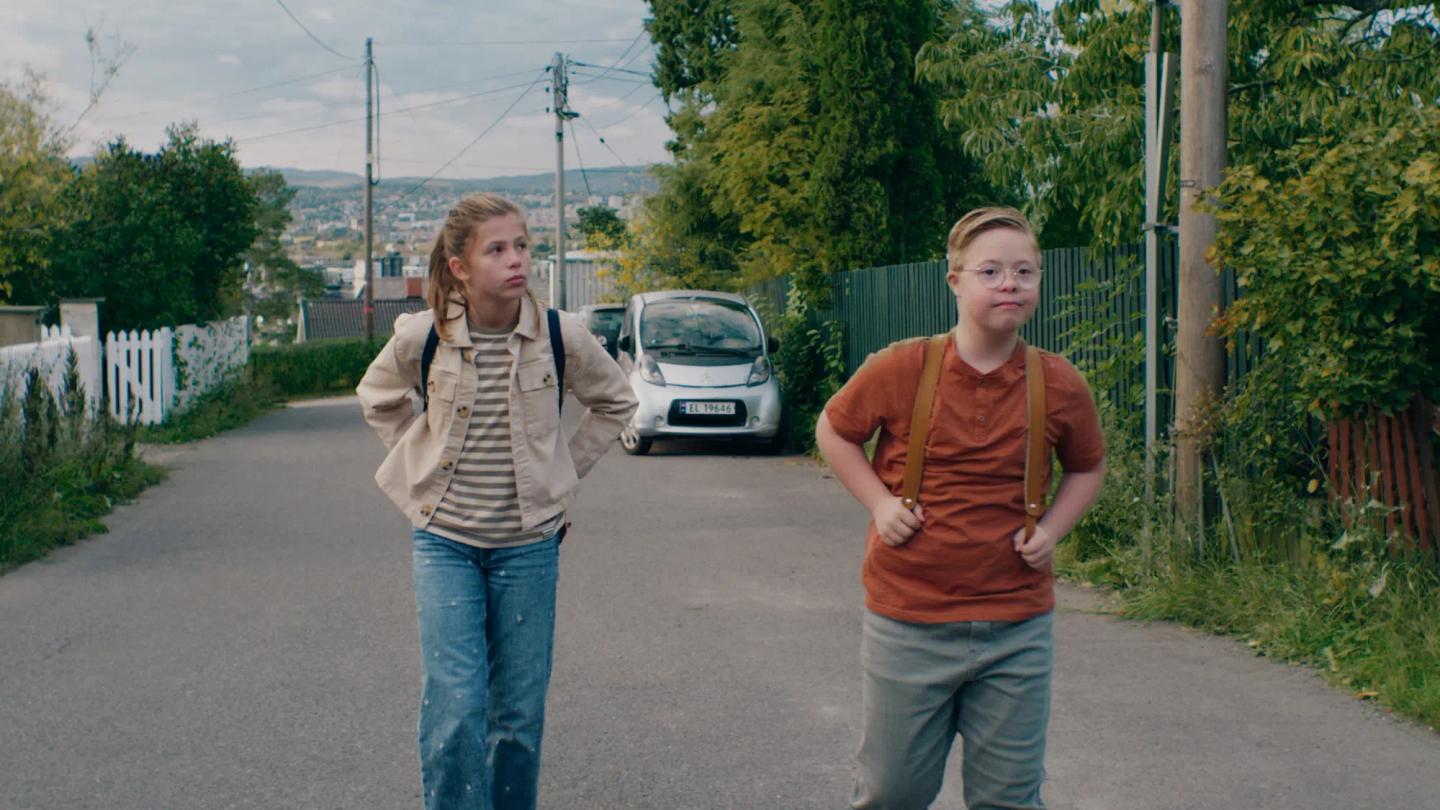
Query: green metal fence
1090, 305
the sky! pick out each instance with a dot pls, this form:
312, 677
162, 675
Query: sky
243, 69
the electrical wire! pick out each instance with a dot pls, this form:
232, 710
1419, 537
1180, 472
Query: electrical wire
498, 41
623, 53
311, 35
614, 69
424, 106
602, 142
476, 140
580, 160
223, 96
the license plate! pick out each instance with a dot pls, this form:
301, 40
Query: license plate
707, 408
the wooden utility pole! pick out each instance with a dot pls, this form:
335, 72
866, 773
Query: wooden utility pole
1200, 360
369, 192
561, 106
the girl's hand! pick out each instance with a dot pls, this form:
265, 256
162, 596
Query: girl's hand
1039, 551
894, 523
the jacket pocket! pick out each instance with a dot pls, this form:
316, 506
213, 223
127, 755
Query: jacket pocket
539, 397
443, 386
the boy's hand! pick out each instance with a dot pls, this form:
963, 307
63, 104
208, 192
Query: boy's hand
896, 524
1039, 550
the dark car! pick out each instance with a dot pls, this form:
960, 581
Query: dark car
603, 321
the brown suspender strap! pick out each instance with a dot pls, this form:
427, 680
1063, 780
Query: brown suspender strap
920, 419
1035, 457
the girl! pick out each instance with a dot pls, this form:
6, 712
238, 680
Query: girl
956, 637
485, 476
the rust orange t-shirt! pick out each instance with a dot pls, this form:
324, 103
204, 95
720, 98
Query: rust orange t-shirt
962, 565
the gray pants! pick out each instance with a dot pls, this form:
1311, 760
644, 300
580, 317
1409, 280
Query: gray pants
989, 682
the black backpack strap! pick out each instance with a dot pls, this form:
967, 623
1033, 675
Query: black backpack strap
432, 341
557, 349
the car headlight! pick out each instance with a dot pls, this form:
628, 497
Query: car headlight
650, 371
759, 371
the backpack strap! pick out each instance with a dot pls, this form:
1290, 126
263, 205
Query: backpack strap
557, 350
427, 356
1035, 456
920, 419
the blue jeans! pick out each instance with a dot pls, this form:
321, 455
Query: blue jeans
487, 629
988, 682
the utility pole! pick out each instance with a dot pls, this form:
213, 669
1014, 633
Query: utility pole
1200, 365
1159, 129
369, 192
560, 85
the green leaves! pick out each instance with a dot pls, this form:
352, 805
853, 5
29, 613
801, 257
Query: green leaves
1353, 313
160, 236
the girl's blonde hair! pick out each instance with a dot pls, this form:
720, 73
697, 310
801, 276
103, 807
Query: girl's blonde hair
453, 241
979, 221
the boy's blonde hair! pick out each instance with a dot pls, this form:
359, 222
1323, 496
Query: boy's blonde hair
454, 239
979, 221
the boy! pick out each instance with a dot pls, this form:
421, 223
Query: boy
957, 632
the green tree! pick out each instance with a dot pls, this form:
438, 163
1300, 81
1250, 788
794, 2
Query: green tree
599, 220
1340, 263
33, 177
804, 143
162, 237
275, 280
1052, 102
692, 38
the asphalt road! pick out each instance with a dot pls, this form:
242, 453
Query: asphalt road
244, 637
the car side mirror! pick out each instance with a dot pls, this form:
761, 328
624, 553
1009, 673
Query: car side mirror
772, 344
626, 344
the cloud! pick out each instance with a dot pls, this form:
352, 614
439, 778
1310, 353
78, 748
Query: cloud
227, 59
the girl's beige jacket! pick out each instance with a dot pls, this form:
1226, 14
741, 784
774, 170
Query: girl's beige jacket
425, 446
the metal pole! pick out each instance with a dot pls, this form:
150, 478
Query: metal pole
1200, 361
557, 278
1159, 124
369, 195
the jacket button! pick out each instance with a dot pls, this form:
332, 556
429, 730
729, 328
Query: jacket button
463, 410
425, 510
465, 355
446, 466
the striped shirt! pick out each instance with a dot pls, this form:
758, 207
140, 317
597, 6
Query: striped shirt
481, 506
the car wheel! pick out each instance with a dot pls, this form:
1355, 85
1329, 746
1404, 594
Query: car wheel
633, 443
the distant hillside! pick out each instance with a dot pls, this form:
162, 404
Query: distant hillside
605, 181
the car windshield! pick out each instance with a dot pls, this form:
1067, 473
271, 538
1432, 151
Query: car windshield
606, 319
699, 325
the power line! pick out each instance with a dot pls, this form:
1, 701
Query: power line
615, 69
222, 96
311, 35
591, 78
623, 53
635, 112
613, 102
602, 142
580, 160
461, 83
496, 41
425, 106
482, 134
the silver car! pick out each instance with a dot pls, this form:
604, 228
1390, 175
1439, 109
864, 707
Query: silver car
699, 363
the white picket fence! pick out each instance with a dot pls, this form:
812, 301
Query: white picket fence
50, 356
153, 374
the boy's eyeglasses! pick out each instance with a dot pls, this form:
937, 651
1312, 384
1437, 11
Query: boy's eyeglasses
991, 276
